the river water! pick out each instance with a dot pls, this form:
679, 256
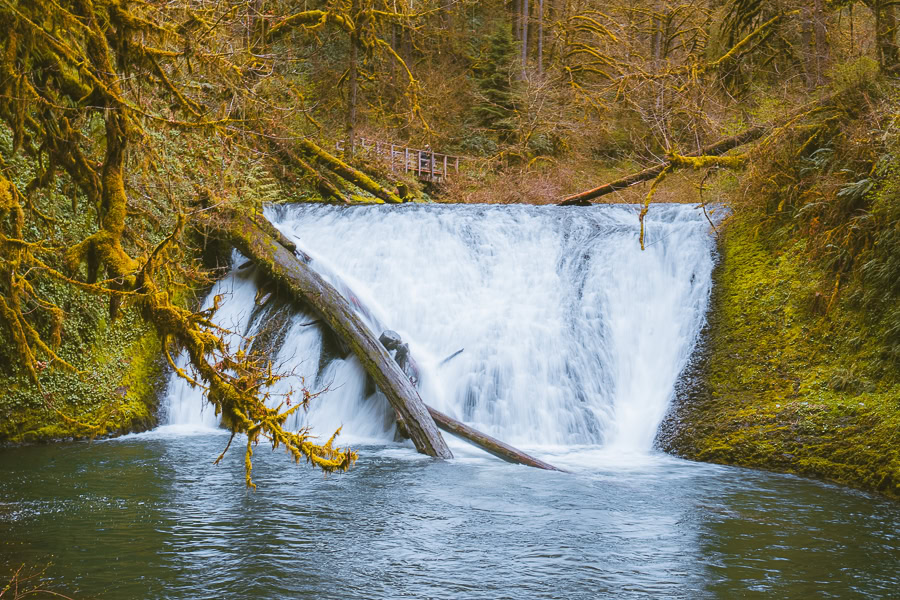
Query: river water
572, 340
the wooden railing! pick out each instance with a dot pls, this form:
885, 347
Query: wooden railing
426, 164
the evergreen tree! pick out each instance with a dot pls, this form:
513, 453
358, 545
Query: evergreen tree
494, 77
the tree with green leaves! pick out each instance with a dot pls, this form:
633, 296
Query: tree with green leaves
494, 75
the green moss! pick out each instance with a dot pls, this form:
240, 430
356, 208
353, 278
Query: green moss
116, 392
361, 199
784, 382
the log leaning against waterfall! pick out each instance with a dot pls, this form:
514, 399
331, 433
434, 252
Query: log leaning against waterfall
278, 257
255, 238
487, 443
391, 340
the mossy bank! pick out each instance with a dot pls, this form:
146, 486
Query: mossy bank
116, 390
786, 378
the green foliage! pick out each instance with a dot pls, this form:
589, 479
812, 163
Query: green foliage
817, 162
801, 369
493, 72
478, 144
254, 185
831, 183
858, 72
879, 269
545, 144
855, 191
116, 389
782, 383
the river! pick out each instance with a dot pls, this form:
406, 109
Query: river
572, 342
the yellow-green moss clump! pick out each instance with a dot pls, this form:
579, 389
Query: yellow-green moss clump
117, 391
785, 378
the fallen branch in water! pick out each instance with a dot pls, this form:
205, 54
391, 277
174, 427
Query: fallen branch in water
487, 443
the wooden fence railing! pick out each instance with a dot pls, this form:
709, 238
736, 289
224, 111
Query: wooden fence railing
426, 164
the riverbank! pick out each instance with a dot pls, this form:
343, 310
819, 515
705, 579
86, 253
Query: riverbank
784, 378
116, 391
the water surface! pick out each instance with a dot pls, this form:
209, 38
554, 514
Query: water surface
151, 517
572, 341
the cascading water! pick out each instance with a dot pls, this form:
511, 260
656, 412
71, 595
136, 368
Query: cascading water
572, 341
571, 335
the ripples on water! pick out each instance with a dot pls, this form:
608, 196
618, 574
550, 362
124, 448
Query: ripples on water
151, 517
572, 337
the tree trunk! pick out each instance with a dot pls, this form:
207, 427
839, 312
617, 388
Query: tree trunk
820, 21
517, 19
487, 443
525, 21
716, 149
540, 38
354, 176
252, 237
277, 256
886, 35
353, 79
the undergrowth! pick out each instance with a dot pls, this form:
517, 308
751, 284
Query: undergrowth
800, 365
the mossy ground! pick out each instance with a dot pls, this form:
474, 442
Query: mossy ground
116, 391
783, 380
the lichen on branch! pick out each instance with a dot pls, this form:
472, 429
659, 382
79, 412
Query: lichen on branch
83, 86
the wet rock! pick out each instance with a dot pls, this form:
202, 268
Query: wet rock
390, 339
392, 342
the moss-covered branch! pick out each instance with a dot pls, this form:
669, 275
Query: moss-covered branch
710, 155
281, 265
352, 175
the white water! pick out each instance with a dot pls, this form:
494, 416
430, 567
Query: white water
572, 335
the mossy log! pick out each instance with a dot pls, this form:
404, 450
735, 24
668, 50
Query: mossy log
487, 443
252, 236
352, 175
277, 256
717, 149
325, 187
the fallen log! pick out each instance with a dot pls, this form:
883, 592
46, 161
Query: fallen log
277, 256
253, 237
327, 188
350, 174
717, 148
392, 341
487, 443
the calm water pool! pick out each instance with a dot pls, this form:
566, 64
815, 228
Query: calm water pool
151, 517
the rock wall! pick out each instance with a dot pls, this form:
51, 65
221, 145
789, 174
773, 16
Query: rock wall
782, 381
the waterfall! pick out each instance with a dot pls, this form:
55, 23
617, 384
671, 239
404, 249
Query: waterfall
570, 334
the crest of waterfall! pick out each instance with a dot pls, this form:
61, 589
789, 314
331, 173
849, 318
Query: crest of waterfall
570, 333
